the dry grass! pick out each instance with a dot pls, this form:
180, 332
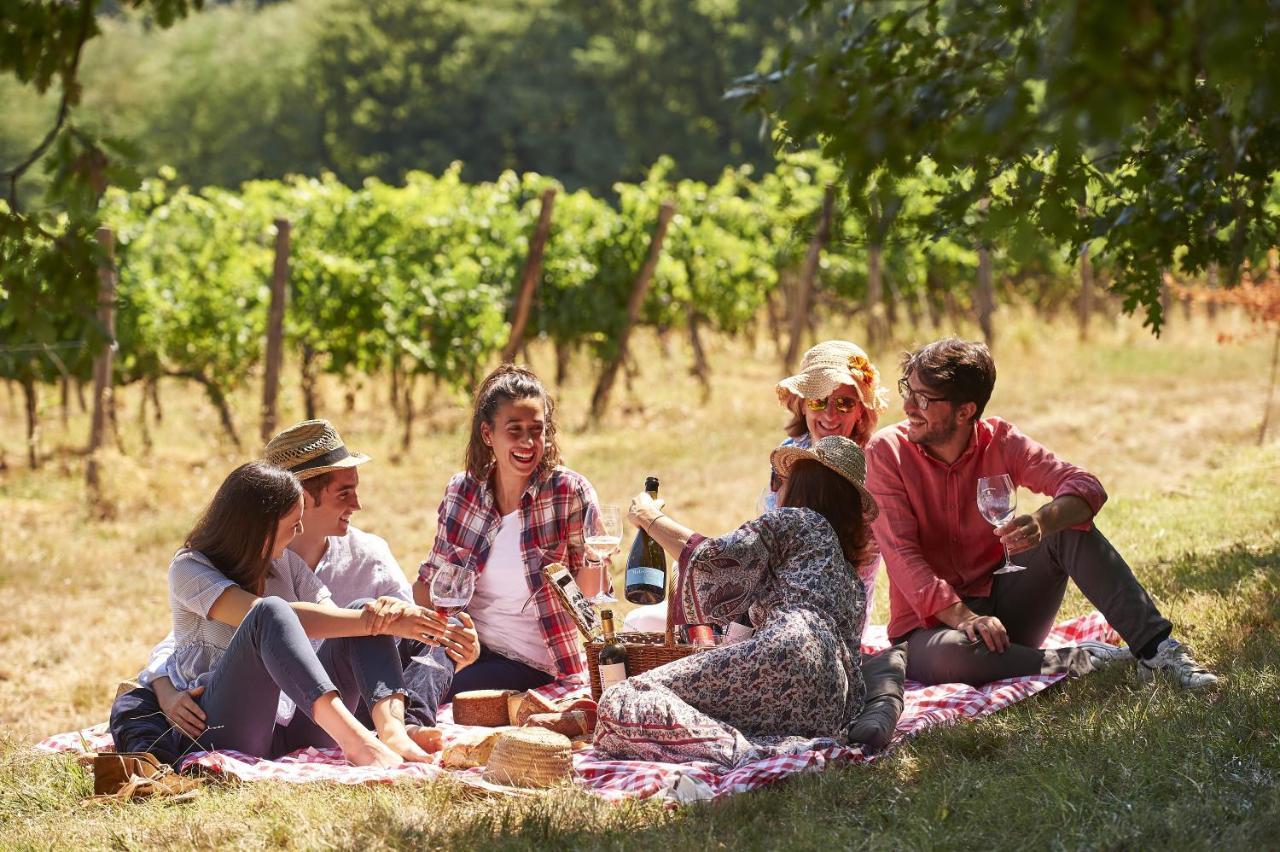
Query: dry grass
1167, 424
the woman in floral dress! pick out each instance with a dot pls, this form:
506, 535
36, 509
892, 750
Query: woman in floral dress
790, 574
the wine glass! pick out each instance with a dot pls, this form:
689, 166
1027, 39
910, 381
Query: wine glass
997, 501
451, 589
603, 528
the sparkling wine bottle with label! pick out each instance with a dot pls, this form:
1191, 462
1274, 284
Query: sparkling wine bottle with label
647, 564
613, 656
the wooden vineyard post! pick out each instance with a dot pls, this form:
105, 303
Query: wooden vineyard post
804, 283
102, 363
1084, 308
875, 298
985, 297
529, 277
275, 329
600, 398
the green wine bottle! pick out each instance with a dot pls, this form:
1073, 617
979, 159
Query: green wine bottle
612, 660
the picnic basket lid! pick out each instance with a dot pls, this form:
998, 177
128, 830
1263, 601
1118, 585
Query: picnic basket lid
530, 757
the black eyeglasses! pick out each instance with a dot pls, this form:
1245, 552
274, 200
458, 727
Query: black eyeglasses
915, 397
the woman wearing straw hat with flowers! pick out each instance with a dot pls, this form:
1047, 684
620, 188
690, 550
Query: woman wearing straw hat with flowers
836, 392
798, 677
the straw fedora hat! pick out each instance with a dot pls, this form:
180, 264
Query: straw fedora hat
826, 367
311, 448
530, 757
836, 453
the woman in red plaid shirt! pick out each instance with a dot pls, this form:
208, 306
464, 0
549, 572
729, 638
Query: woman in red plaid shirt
512, 511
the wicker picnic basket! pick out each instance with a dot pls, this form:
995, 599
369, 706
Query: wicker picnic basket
644, 650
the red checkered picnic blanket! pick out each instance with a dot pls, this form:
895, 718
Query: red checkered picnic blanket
926, 706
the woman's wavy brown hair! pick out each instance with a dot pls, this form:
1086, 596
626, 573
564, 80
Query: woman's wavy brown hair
237, 531
508, 383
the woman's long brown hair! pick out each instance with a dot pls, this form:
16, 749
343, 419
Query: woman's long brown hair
237, 532
813, 485
508, 383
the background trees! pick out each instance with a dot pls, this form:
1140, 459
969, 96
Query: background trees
591, 92
1151, 127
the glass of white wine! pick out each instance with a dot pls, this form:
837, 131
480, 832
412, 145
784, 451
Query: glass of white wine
603, 533
998, 501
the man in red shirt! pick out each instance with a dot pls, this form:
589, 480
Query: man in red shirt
962, 621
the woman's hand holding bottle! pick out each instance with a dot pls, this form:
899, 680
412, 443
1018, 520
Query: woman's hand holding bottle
644, 509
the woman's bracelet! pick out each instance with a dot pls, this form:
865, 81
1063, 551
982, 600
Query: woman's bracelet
649, 528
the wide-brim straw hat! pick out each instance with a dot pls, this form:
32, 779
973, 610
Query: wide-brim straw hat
826, 367
837, 453
530, 757
311, 448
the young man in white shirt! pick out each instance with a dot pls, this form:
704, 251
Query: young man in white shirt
353, 564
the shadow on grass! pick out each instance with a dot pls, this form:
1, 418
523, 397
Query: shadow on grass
1218, 571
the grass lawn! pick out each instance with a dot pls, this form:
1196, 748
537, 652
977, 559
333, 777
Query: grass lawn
1169, 426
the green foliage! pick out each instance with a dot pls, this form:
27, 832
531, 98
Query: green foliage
592, 93
421, 279
48, 257
1150, 127
193, 274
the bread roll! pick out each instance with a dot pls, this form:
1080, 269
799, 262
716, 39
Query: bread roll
513, 707
487, 707
571, 723
470, 749
533, 703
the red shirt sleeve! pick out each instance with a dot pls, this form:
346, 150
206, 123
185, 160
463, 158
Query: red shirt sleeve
1034, 467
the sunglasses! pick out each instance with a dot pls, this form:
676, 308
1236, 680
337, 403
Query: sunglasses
843, 404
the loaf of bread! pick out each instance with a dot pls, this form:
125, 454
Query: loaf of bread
487, 707
571, 723
533, 703
470, 749
513, 707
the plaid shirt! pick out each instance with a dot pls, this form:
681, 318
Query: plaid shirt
552, 510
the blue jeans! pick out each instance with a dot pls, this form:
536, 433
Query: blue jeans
494, 671
138, 724
269, 654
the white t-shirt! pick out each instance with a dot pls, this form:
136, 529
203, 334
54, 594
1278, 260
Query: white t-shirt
504, 623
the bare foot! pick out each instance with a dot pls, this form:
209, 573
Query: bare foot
428, 739
404, 745
372, 752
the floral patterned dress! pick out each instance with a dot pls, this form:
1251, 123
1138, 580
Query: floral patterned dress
797, 679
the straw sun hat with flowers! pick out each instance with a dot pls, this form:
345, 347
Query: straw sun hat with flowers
838, 454
311, 448
826, 367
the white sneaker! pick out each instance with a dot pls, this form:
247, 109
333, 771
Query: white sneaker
1103, 654
1175, 661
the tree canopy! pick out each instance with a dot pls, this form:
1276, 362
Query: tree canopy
1151, 127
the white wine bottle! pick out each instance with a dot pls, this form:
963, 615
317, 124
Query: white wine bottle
646, 564
612, 660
